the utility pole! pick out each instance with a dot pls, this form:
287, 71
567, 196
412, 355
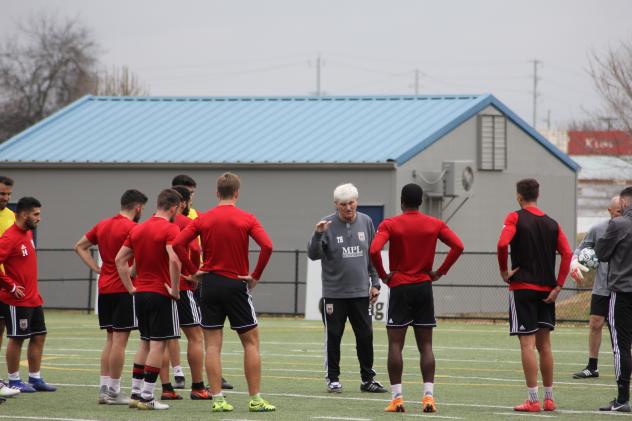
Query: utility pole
536, 79
318, 65
417, 79
548, 120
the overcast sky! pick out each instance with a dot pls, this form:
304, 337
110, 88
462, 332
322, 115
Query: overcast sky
269, 47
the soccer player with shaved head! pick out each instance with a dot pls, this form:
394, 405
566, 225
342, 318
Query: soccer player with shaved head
413, 238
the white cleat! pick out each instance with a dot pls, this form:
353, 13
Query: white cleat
151, 405
7, 392
116, 398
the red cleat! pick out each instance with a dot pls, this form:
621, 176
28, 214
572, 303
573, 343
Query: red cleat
549, 405
528, 406
170, 395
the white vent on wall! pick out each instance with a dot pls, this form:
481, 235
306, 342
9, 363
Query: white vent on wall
492, 142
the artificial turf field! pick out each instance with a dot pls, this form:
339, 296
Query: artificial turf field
479, 376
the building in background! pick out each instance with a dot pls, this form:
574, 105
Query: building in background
600, 179
466, 151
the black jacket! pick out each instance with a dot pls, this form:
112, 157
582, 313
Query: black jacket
615, 247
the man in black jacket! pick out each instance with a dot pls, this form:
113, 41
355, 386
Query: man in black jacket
615, 247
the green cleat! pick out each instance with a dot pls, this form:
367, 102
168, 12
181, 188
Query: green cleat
220, 405
260, 405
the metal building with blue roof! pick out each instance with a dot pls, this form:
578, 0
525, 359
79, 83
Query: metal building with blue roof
467, 151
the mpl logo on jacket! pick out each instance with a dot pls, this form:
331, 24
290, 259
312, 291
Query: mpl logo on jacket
361, 236
353, 251
24, 250
24, 324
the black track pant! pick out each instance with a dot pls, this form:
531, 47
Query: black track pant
335, 314
620, 324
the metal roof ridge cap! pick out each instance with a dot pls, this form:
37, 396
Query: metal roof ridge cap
44, 122
280, 97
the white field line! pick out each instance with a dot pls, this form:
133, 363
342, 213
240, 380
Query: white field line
515, 414
300, 370
352, 398
433, 416
342, 418
15, 417
457, 360
314, 354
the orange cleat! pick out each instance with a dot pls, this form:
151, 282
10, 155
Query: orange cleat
200, 394
528, 406
170, 395
549, 405
396, 405
428, 404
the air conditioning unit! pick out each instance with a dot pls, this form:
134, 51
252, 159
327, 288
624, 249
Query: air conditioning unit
458, 179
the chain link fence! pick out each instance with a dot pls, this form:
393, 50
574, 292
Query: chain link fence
472, 290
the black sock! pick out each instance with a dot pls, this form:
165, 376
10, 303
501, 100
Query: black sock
623, 394
592, 364
167, 387
197, 386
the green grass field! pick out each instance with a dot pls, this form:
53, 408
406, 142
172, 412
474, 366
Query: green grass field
479, 376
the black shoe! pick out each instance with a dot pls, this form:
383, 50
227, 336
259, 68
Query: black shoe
372, 386
586, 374
179, 382
615, 406
2, 400
226, 385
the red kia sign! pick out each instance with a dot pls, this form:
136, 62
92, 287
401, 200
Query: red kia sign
612, 142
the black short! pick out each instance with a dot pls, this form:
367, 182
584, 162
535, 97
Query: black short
599, 305
24, 322
117, 311
223, 297
3, 308
528, 313
411, 304
188, 310
157, 316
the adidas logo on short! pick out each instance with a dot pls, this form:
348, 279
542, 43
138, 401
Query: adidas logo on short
521, 327
390, 320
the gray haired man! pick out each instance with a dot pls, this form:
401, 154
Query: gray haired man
350, 284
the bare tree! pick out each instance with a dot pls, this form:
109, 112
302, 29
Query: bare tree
49, 63
120, 82
612, 73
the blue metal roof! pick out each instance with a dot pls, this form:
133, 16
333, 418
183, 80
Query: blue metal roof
285, 130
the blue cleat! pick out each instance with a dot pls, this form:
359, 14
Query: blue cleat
21, 386
40, 385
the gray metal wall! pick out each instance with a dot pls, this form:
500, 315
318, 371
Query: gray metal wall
287, 202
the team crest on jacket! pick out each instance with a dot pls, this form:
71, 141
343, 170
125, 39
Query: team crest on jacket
24, 324
329, 308
361, 236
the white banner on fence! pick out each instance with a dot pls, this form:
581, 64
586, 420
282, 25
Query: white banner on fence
314, 291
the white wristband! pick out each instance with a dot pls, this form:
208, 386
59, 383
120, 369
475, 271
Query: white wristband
14, 287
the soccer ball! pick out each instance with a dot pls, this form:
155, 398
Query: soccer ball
588, 258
